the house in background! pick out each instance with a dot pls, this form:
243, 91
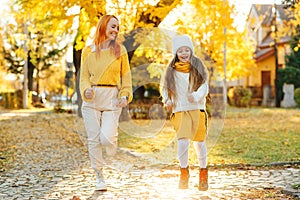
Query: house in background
262, 26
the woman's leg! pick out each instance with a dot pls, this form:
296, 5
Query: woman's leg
109, 130
92, 122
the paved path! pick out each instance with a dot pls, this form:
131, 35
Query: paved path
127, 180
57, 166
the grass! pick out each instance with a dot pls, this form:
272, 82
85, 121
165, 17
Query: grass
249, 135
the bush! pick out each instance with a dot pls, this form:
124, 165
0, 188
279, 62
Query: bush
239, 96
297, 96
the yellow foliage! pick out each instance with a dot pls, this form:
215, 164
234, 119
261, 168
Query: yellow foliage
156, 70
296, 12
57, 17
206, 22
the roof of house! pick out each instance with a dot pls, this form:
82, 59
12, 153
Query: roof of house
265, 10
263, 54
266, 48
269, 41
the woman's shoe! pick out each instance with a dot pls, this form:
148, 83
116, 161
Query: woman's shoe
100, 184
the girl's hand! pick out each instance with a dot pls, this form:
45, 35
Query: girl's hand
190, 98
89, 93
169, 105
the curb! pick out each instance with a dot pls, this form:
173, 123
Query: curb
291, 192
284, 164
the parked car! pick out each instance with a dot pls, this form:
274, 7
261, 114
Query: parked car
59, 98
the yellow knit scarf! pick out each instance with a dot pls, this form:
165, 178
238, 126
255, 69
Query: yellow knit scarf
182, 67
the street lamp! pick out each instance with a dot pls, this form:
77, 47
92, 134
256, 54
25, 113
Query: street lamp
25, 84
224, 59
274, 29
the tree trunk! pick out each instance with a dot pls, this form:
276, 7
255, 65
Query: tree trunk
77, 61
30, 73
38, 82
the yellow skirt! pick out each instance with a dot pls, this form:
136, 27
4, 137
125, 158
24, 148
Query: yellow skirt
190, 124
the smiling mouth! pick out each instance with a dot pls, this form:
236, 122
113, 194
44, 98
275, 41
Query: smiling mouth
184, 57
114, 35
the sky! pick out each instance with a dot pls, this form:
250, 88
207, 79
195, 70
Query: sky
3, 4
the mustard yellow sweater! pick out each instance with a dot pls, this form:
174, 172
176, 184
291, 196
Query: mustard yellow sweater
106, 69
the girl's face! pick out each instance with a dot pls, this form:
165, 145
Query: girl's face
112, 29
184, 54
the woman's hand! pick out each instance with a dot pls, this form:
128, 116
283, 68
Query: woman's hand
123, 102
89, 93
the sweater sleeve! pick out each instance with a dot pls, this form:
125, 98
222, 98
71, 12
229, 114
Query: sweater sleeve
126, 82
84, 73
163, 89
201, 93
164, 95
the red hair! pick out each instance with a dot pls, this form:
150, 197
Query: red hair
100, 36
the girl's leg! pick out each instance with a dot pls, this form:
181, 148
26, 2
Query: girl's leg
183, 152
201, 153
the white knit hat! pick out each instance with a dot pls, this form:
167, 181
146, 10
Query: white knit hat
180, 41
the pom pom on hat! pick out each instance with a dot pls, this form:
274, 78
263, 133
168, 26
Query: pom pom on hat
180, 41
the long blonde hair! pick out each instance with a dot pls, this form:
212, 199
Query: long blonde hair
198, 76
100, 36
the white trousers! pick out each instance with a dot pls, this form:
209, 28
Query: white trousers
183, 152
101, 120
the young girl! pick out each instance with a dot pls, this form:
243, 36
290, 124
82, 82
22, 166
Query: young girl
105, 86
184, 90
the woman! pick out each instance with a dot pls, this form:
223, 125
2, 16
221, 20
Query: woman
105, 87
184, 90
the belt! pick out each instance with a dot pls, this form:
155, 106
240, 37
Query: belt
104, 85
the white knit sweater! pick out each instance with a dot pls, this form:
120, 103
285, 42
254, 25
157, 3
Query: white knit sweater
182, 104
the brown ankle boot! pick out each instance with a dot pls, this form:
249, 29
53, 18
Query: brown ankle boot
184, 178
203, 184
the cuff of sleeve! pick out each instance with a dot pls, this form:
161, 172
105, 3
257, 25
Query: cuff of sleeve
126, 94
123, 94
168, 101
194, 94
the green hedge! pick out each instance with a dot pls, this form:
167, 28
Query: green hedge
297, 96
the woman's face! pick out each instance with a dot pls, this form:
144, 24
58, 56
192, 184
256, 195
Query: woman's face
112, 29
184, 54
